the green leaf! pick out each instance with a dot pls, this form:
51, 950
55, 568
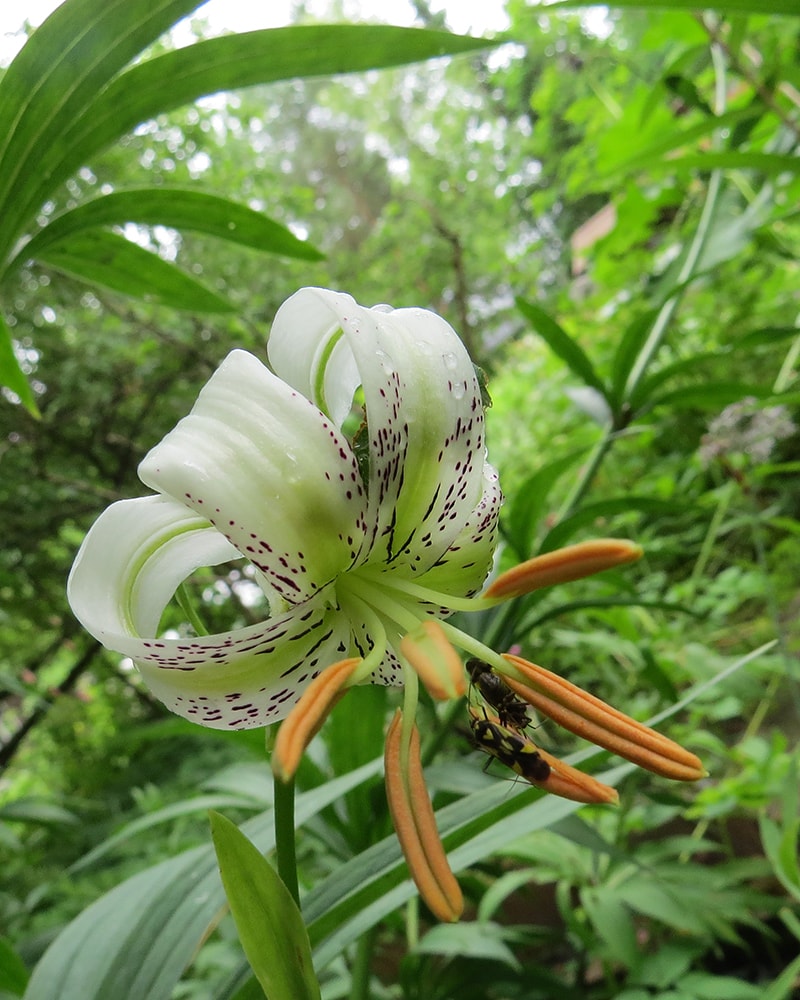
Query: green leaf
724, 6
765, 163
12, 375
529, 503
483, 940
766, 335
602, 509
200, 803
784, 987
630, 345
708, 396
31, 810
268, 920
155, 86
647, 389
56, 77
180, 208
136, 940
612, 922
13, 974
560, 342
616, 158
109, 260
707, 986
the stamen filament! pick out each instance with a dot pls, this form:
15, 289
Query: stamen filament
437, 598
376, 598
377, 633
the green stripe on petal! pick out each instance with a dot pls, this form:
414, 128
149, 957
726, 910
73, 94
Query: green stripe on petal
132, 560
270, 472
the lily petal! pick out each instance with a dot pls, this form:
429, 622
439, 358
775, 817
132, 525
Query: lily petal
128, 567
426, 447
463, 568
270, 472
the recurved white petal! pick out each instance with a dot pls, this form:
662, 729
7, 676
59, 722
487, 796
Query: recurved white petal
132, 561
128, 567
462, 570
424, 412
270, 472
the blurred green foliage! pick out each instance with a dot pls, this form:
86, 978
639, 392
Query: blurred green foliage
607, 211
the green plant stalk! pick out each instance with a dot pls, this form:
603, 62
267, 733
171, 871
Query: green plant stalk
187, 607
360, 973
711, 535
586, 478
285, 851
787, 373
667, 311
661, 323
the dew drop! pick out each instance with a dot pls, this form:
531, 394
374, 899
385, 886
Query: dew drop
385, 362
459, 388
450, 361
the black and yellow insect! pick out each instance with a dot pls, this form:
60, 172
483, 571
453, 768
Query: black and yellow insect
512, 712
509, 746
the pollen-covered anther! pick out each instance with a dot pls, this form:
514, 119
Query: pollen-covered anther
592, 719
415, 823
433, 657
302, 724
563, 565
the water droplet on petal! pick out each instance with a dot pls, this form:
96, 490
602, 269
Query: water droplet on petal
385, 362
459, 388
450, 360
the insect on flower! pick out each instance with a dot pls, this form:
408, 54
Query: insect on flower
510, 747
512, 712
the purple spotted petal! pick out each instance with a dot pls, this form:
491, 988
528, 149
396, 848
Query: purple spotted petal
463, 568
270, 472
129, 565
424, 413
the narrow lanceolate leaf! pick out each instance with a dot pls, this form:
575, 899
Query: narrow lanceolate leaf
591, 513
268, 920
180, 208
527, 509
630, 345
11, 375
136, 940
560, 342
55, 78
106, 259
157, 85
724, 6
765, 163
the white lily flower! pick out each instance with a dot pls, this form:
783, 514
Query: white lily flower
363, 543
262, 469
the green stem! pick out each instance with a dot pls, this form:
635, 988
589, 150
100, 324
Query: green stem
586, 478
187, 607
694, 252
360, 974
285, 835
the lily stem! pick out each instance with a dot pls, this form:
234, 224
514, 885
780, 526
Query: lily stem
361, 971
285, 836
